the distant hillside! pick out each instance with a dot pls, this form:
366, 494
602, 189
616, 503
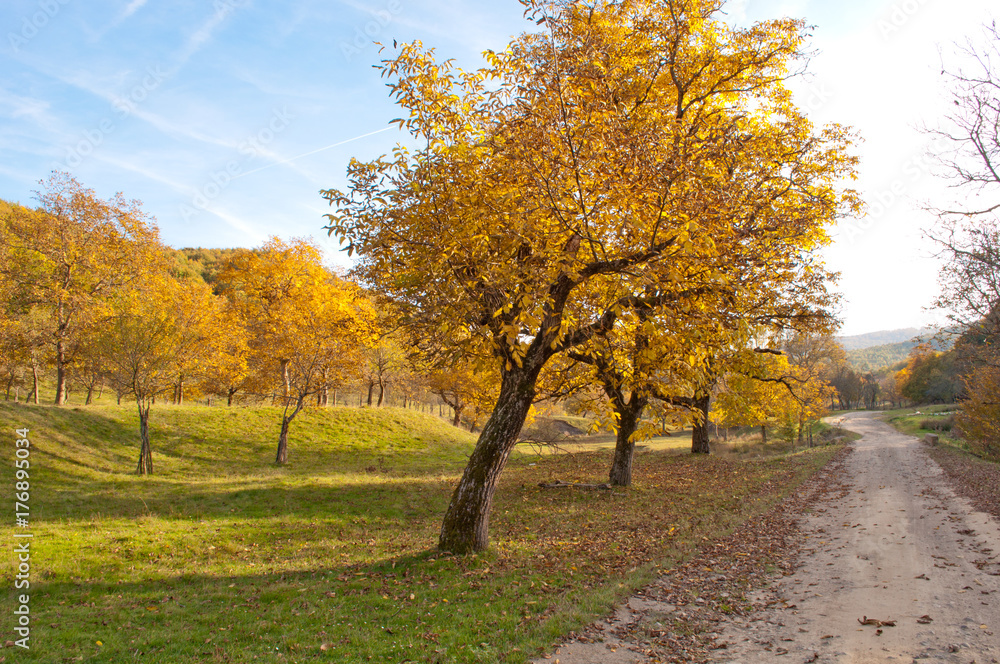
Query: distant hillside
874, 358
879, 357
882, 338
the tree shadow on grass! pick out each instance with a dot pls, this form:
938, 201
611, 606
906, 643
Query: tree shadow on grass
393, 497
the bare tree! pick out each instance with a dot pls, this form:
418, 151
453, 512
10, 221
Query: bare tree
969, 235
968, 152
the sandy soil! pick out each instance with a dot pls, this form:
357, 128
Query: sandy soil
893, 544
899, 546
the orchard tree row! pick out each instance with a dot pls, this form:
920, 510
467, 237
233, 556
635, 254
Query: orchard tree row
91, 298
89, 290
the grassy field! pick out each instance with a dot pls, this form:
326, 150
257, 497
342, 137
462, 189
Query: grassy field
913, 421
223, 557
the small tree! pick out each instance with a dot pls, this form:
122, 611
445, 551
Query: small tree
149, 335
306, 327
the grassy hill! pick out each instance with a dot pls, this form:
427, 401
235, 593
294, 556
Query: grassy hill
223, 556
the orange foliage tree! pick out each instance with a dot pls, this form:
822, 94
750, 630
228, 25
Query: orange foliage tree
608, 165
70, 255
306, 327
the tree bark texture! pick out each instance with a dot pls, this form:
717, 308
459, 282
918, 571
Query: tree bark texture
282, 456
286, 380
466, 524
145, 466
628, 421
60, 373
699, 431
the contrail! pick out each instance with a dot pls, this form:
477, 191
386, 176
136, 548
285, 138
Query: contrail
306, 154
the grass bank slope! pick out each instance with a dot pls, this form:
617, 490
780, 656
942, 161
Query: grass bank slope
222, 556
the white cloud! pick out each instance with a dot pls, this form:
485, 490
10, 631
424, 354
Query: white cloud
203, 35
130, 9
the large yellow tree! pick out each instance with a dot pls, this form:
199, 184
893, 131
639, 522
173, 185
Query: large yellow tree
603, 166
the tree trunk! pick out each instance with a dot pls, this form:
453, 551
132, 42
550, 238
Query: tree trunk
457, 420
763, 434
286, 381
466, 523
60, 373
90, 395
34, 382
371, 392
699, 431
145, 466
229, 397
282, 456
628, 420
180, 390
381, 393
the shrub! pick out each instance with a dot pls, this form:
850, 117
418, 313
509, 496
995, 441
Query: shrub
979, 421
938, 423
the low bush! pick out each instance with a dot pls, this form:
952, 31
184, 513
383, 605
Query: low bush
938, 423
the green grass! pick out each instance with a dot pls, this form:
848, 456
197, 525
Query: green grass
909, 421
223, 556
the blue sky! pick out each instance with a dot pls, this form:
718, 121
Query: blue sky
226, 117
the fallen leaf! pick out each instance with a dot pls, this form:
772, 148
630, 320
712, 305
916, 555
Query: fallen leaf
924, 620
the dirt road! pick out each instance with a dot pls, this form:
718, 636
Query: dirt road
897, 546
884, 539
